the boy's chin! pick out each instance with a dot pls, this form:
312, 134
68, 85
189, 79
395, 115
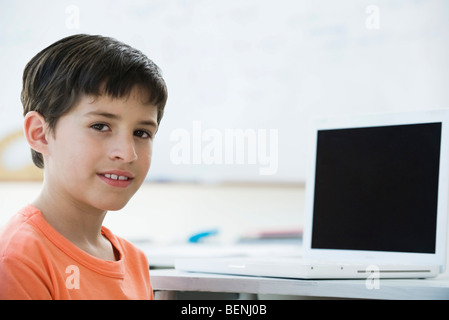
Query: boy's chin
111, 201
113, 205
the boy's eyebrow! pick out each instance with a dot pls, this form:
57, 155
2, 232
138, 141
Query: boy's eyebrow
117, 117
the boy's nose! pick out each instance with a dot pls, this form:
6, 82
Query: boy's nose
123, 149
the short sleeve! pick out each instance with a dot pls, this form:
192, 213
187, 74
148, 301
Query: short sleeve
18, 281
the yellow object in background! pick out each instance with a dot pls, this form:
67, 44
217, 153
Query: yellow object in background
26, 172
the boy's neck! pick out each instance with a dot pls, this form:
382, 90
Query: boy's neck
81, 226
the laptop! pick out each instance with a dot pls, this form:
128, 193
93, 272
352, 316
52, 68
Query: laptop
376, 201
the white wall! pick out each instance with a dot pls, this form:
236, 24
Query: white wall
254, 65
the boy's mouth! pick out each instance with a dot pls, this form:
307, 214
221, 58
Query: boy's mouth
116, 178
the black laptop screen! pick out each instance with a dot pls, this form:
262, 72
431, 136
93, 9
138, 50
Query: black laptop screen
376, 188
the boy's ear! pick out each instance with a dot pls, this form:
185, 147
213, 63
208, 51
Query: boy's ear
35, 129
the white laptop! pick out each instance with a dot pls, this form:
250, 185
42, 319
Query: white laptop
376, 201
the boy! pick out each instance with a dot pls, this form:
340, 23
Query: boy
92, 106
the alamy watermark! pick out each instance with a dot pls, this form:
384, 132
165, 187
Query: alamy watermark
373, 279
73, 279
72, 20
226, 147
372, 21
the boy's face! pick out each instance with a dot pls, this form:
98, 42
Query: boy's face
100, 152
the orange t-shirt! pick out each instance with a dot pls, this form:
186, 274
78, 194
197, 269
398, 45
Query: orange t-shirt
36, 262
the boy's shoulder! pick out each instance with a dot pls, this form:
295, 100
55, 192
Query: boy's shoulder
19, 237
19, 234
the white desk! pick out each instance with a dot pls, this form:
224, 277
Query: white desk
167, 283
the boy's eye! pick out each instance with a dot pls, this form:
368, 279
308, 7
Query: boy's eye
138, 133
142, 134
100, 127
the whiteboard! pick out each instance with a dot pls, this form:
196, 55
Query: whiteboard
246, 77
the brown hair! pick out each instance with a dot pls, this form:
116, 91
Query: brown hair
58, 76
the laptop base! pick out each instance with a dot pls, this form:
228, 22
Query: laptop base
297, 268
